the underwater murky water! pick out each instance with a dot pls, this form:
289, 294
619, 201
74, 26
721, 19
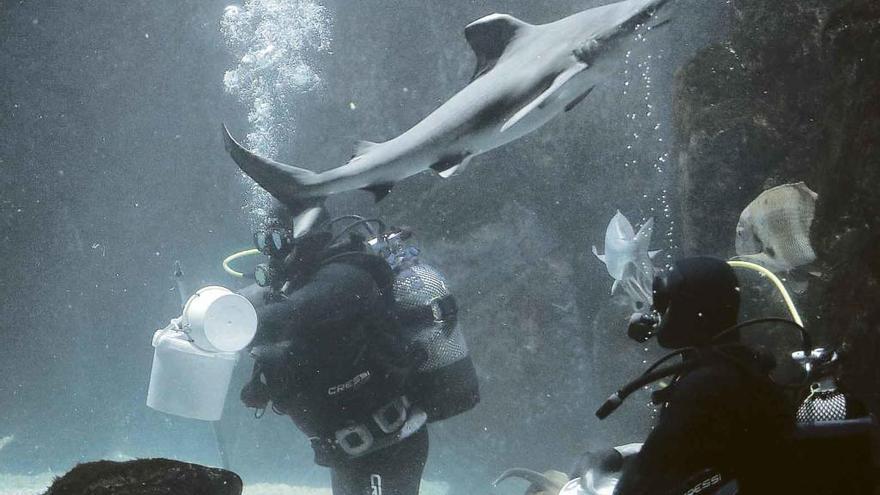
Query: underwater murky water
571, 176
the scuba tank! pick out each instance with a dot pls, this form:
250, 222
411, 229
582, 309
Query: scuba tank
443, 379
833, 435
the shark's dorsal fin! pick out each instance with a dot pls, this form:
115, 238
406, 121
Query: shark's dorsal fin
379, 190
489, 37
542, 98
362, 147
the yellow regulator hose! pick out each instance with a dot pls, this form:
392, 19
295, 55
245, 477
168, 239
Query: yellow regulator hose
778, 283
241, 254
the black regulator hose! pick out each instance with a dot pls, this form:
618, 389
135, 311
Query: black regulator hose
806, 341
653, 373
617, 398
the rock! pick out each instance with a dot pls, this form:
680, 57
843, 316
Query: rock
846, 230
146, 477
794, 96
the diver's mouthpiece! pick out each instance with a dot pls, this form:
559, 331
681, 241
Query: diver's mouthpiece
642, 326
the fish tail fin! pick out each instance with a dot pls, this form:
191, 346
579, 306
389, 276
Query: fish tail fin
616, 286
286, 183
600, 256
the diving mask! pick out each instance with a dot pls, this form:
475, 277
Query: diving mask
265, 274
274, 241
644, 325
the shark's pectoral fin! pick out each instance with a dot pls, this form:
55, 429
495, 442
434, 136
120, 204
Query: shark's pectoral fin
579, 99
660, 23
303, 222
653, 254
453, 165
379, 190
489, 37
449, 172
543, 98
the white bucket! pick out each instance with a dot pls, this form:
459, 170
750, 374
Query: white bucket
219, 320
188, 381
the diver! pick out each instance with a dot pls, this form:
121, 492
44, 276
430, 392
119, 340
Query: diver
721, 414
357, 342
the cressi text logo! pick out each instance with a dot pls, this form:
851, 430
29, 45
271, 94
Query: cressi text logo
705, 485
352, 384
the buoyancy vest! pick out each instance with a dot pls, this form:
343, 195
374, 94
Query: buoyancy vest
349, 370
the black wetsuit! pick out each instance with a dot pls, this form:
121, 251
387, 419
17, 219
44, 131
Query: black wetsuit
335, 362
719, 416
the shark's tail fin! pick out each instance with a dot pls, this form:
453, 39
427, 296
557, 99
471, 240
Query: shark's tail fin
286, 183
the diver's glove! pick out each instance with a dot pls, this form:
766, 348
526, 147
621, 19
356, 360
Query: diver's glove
267, 358
255, 393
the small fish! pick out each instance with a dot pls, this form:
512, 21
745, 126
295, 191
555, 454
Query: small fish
637, 283
628, 258
774, 229
4, 441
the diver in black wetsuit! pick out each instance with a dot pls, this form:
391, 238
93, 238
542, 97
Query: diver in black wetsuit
724, 414
361, 350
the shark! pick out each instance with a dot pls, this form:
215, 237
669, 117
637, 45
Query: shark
628, 259
525, 76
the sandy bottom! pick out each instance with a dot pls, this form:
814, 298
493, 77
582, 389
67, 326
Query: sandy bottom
428, 488
15, 484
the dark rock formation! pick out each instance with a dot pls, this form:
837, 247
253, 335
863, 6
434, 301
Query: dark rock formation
747, 117
146, 477
845, 232
794, 95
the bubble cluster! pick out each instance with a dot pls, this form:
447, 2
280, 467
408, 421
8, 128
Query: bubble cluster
647, 151
646, 146
274, 43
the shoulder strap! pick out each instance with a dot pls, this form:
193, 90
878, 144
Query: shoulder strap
375, 265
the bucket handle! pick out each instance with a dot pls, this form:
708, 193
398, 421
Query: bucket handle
173, 327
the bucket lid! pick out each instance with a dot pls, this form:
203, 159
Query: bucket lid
217, 319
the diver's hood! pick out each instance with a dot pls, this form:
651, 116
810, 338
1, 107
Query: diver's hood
698, 299
300, 222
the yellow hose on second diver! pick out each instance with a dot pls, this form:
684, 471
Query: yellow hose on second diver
778, 283
241, 254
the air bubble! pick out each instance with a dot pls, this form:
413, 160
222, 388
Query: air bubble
274, 42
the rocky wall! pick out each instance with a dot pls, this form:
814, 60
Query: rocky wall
793, 95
